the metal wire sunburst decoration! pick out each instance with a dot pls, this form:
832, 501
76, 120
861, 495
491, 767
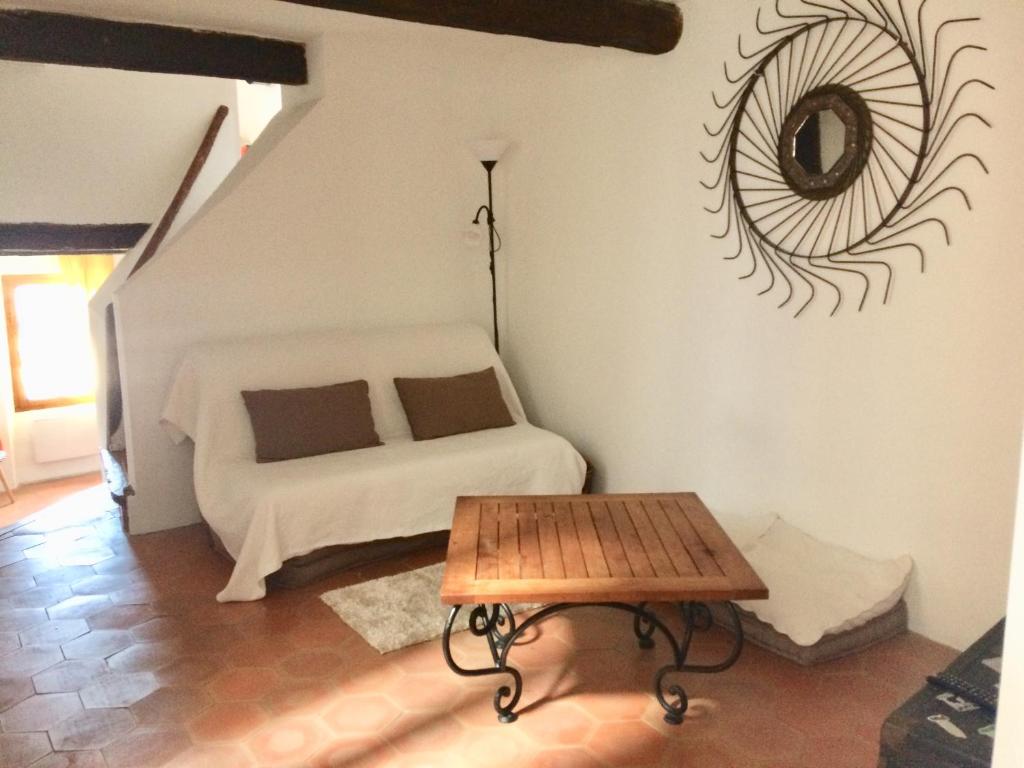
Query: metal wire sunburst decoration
898, 92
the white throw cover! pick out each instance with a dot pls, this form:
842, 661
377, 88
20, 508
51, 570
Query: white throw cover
267, 513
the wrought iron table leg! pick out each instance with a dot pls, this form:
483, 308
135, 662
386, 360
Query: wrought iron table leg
484, 622
700, 619
488, 621
642, 628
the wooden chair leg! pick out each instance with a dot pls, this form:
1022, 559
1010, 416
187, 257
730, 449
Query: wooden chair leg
7, 487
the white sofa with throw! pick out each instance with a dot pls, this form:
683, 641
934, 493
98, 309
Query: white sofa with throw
266, 513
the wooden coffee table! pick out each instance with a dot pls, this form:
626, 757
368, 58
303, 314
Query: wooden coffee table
617, 551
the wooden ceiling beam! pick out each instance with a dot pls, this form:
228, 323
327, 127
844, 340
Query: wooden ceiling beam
84, 41
644, 26
43, 238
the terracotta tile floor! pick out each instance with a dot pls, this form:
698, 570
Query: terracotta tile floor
113, 653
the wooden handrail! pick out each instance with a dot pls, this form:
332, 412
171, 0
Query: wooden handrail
183, 189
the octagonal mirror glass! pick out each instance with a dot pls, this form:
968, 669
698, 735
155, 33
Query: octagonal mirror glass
820, 142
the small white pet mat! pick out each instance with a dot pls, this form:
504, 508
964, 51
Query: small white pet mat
397, 611
820, 589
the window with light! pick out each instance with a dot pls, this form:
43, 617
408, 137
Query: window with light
48, 337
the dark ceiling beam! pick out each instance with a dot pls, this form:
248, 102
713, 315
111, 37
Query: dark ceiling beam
38, 238
644, 26
57, 38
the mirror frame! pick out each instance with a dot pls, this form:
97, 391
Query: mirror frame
851, 109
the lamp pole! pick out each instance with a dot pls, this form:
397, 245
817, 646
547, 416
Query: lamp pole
489, 208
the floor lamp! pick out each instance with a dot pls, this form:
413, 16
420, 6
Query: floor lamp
488, 152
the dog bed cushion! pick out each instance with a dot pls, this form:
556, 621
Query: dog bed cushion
820, 589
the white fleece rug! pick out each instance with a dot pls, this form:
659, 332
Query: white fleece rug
397, 611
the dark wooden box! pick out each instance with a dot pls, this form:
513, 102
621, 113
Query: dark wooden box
910, 740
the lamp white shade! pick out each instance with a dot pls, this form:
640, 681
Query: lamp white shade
489, 150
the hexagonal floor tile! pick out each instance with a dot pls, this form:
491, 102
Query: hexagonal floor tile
259, 652
121, 617
287, 742
79, 607
311, 663
54, 632
413, 692
100, 585
11, 556
319, 632
136, 594
503, 746
143, 747
322, 697
69, 676
144, 657
539, 651
759, 733
357, 677
98, 644
13, 690
609, 706
628, 743
561, 758
91, 729
415, 732
40, 597
301, 696
55, 574
192, 671
243, 684
355, 752
219, 755
17, 619
170, 705
212, 641
556, 723
838, 751
89, 556
118, 690
18, 750
10, 585
9, 641
424, 658
29, 659
160, 628
72, 760
361, 714
40, 712
226, 722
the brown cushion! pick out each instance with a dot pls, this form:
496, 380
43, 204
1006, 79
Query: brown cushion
453, 405
292, 423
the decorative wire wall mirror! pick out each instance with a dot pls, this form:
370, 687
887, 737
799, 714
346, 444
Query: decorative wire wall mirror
838, 137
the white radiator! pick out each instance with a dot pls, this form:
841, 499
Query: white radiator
65, 436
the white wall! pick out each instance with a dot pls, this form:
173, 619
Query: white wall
223, 157
84, 145
1009, 748
893, 430
355, 218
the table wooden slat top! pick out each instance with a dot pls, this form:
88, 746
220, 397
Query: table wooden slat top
659, 547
